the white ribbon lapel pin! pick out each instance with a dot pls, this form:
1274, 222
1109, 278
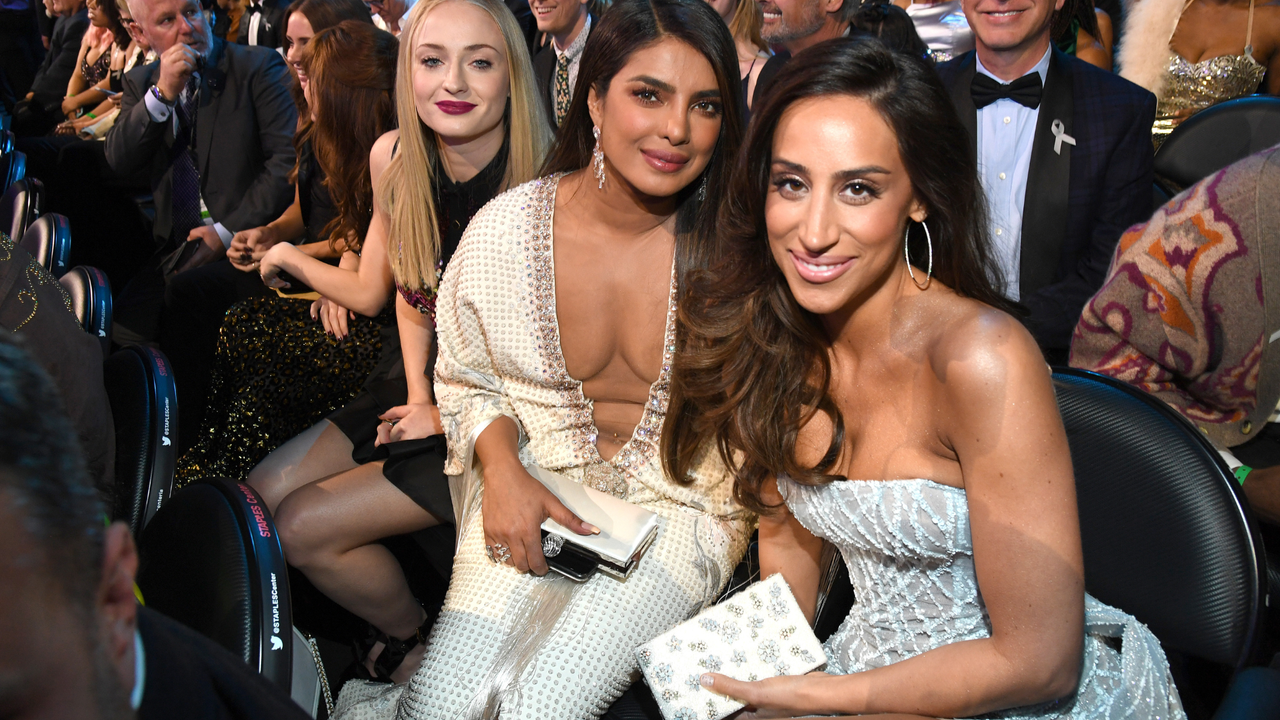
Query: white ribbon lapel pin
1060, 136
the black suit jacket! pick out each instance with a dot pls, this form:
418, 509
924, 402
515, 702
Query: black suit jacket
190, 676
54, 74
270, 29
244, 138
1079, 201
544, 70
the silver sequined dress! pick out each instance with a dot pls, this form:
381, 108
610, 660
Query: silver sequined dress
907, 546
542, 648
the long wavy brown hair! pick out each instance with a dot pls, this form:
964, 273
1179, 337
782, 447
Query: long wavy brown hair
351, 69
753, 367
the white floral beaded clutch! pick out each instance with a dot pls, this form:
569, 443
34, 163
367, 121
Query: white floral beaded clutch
756, 634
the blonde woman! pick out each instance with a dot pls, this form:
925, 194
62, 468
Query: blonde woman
744, 20
465, 94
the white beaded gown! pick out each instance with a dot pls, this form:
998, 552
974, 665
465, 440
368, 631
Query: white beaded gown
518, 646
909, 553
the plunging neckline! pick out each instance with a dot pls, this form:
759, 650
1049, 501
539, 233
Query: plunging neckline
654, 400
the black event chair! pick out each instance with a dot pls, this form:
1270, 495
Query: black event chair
48, 240
20, 205
90, 293
144, 406
13, 167
6, 142
1216, 137
211, 560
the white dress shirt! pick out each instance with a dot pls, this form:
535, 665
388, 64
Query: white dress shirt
1006, 131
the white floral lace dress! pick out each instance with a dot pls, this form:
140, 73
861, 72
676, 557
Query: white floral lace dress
518, 646
909, 553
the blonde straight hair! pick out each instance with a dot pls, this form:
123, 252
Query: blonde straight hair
407, 184
747, 21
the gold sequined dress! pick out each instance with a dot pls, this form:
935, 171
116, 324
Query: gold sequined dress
545, 647
1196, 86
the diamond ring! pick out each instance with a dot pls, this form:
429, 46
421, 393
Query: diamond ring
498, 553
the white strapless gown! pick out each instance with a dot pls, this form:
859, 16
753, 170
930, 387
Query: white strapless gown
909, 553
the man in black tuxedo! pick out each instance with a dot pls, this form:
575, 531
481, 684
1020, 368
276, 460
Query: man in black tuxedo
263, 23
566, 23
73, 641
212, 122
1064, 154
41, 108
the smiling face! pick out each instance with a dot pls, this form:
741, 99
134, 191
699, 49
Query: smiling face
557, 17
297, 33
660, 118
838, 202
1010, 25
461, 79
789, 20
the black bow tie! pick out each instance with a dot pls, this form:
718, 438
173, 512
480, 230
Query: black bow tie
1025, 90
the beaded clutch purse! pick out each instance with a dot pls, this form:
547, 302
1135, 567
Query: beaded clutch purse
756, 634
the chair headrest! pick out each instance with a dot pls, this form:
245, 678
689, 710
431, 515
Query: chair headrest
144, 406
48, 240
90, 293
1166, 531
1218, 136
20, 205
211, 559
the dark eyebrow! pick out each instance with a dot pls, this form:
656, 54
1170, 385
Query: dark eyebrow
843, 174
469, 48
668, 88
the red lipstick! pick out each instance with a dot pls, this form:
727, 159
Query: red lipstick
455, 107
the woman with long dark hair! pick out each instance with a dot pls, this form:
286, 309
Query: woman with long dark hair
277, 371
851, 359
556, 322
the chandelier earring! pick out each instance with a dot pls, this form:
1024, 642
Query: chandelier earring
597, 158
906, 253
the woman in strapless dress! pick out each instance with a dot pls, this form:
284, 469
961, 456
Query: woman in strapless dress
879, 398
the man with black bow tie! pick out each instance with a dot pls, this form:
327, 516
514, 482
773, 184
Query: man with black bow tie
262, 24
1064, 157
212, 124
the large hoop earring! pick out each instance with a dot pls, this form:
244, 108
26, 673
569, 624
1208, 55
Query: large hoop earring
597, 159
906, 242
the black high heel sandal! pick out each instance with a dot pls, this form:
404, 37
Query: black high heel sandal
393, 651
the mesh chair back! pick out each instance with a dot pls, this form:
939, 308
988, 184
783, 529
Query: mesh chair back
1216, 137
20, 206
48, 240
90, 293
211, 560
144, 406
1166, 533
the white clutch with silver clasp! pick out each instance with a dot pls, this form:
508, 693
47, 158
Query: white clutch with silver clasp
756, 634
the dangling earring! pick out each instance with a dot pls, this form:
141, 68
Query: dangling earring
906, 241
597, 158
702, 190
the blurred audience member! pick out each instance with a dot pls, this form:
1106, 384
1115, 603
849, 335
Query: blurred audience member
892, 26
74, 642
1080, 30
744, 20
1219, 50
278, 370
793, 25
101, 43
41, 109
1061, 157
212, 123
942, 26
387, 14
567, 23
1186, 313
262, 23
471, 128
226, 26
305, 18
20, 49
35, 308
